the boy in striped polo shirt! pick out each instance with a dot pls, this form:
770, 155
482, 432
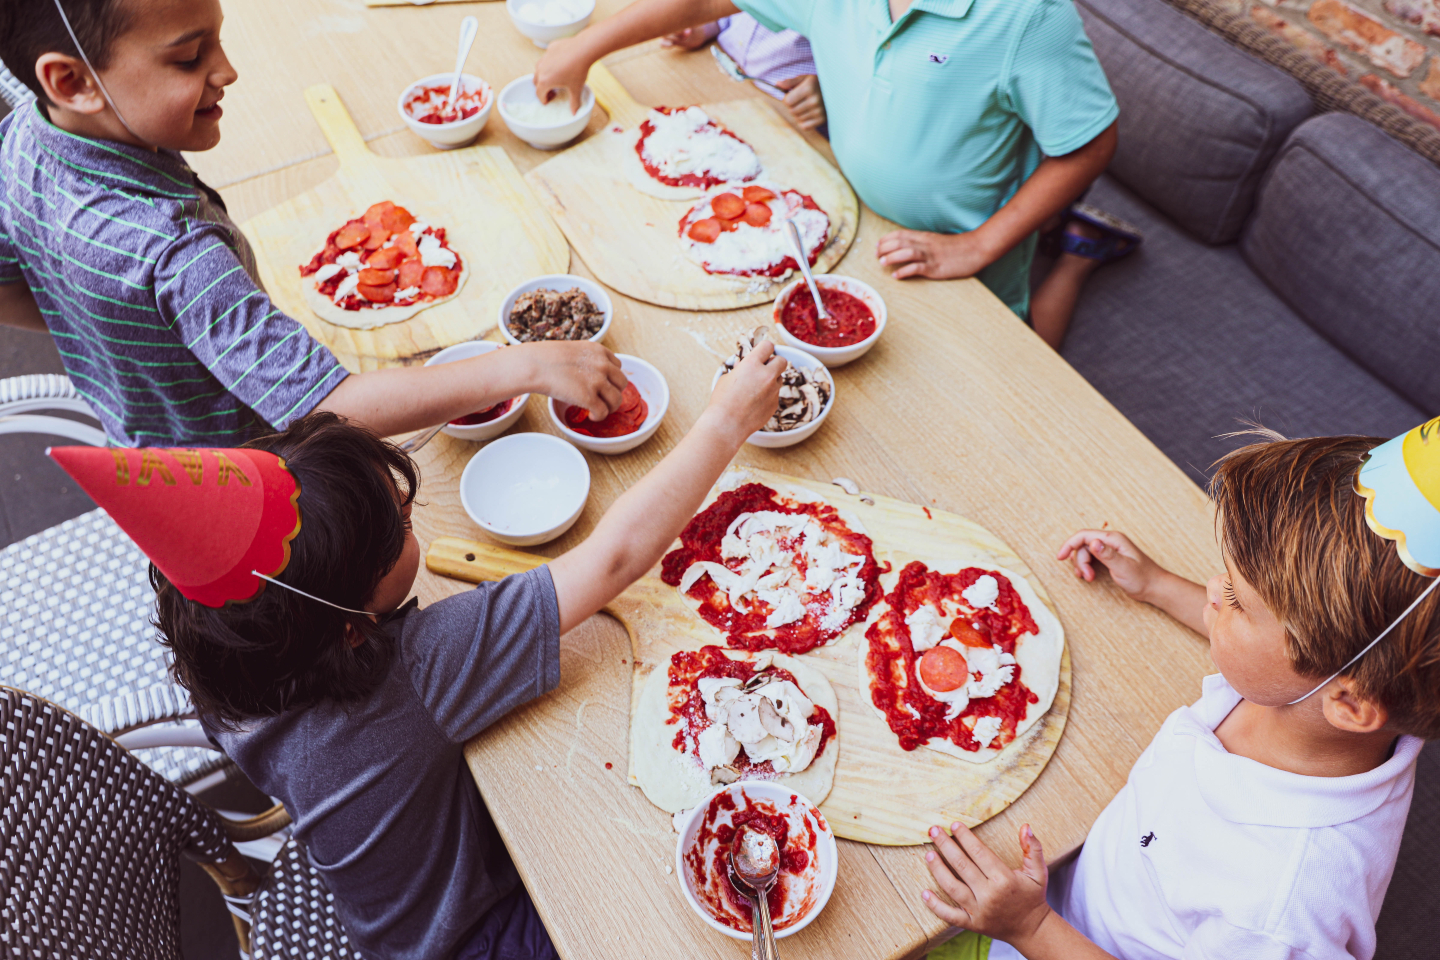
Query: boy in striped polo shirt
111, 242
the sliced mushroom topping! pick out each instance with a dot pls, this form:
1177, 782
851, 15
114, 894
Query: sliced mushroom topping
803, 391
774, 724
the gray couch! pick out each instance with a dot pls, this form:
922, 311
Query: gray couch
1290, 272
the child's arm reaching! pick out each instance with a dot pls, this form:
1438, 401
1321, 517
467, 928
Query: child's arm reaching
637, 528
1001, 903
18, 307
1134, 572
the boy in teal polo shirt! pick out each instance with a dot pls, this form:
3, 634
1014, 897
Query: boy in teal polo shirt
970, 122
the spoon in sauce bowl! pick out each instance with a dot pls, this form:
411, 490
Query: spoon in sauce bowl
754, 868
804, 260
468, 28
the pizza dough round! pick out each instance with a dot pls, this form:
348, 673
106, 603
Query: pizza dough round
628, 161
675, 781
1037, 654
324, 308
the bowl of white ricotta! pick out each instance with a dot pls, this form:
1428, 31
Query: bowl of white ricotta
546, 20
526, 488
544, 126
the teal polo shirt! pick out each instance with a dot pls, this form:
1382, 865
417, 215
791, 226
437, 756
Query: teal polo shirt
937, 118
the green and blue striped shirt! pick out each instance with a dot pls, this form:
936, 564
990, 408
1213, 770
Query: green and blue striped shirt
150, 291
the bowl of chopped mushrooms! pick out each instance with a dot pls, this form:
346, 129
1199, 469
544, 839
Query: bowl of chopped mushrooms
556, 307
807, 392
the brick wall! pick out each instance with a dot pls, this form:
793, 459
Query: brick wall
1392, 47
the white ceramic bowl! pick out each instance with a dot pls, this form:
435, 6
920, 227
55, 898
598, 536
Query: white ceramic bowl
787, 438
653, 388
526, 488
524, 14
561, 282
522, 90
448, 136
479, 431
821, 885
833, 356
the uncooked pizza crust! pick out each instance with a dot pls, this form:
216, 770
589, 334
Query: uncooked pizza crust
675, 781
1038, 655
324, 308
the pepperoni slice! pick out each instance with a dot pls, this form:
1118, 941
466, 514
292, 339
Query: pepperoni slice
410, 273
943, 669
377, 238
352, 234
376, 213
376, 278
380, 294
754, 194
757, 214
964, 631
729, 226
405, 243
727, 206
705, 231
438, 282
386, 258
396, 219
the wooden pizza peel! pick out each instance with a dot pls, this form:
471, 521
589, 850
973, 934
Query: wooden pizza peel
630, 240
490, 216
882, 794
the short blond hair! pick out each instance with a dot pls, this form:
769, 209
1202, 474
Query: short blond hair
1291, 522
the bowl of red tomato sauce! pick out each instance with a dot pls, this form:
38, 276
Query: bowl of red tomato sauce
426, 110
808, 857
487, 423
857, 318
642, 407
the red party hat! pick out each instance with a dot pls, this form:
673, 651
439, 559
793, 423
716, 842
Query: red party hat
207, 518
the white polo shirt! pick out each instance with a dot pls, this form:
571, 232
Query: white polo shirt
1204, 854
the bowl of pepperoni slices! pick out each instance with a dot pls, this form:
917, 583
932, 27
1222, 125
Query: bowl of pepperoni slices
426, 110
642, 407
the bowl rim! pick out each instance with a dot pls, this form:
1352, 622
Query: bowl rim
824, 411
591, 287
499, 442
825, 839
647, 429
546, 26
820, 352
586, 109
453, 124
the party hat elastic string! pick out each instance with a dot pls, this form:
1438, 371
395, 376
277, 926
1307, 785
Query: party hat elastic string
363, 613
1383, 633
95, 73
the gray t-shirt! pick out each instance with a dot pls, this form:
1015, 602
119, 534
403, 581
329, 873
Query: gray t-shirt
379, 790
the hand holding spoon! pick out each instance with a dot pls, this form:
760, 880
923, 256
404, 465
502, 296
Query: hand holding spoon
468, 28
804, 261
754, 868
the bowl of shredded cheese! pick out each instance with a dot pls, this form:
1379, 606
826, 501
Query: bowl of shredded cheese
426, 109
546, 20
544, 126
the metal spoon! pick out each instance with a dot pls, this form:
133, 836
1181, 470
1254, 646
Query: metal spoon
418, 440
804, 261
468, 28
732, 70
754, 868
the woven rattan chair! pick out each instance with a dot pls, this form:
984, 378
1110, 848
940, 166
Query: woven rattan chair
12, 90
293, 914
21, 396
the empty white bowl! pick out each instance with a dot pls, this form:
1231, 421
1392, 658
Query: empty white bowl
448, 136
546, 20
526, 488
520, 92
787, 438
819, 883
479, 431
560, 282
656, 393
833, 356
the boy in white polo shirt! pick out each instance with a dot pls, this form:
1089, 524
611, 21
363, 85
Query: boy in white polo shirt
1263, 821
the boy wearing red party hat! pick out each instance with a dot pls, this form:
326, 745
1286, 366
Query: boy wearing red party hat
1263, 821
282, 569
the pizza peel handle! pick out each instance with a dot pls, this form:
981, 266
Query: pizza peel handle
356, 160
614, 98
473, 562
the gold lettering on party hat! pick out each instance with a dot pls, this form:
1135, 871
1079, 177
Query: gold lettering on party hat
150, 463
194, 466
228, 467
122, 467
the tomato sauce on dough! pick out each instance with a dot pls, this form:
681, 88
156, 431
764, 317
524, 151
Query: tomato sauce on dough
850, 320
912, 714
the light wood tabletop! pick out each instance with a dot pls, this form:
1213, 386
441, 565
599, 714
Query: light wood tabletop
960, 406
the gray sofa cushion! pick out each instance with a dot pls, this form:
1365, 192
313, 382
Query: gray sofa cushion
1199, 120
1185, 341
1347, 232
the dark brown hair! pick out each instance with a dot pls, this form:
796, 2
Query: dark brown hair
281, 651
31, 28
1292, 524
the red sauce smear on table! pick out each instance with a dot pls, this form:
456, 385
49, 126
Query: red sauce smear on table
786, 263
703, 181
890, 651
393, 268
466, 105
486, 415
687, 706
795, 855
700, 540
850, 320
629, 417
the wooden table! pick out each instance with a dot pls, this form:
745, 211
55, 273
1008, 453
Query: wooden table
959, 406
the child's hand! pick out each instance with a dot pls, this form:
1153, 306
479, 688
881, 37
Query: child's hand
989, 897
748, 396
563, 68
939, 256
582, 373
691, 38
1131, 569
803, 100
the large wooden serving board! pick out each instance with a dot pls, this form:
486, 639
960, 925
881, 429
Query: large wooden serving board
491, 218
631, 240
882, 794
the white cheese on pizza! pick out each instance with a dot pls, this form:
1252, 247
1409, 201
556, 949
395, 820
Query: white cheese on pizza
678, 153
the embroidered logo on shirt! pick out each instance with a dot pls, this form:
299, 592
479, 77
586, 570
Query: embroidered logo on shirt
939, 57
1145, 840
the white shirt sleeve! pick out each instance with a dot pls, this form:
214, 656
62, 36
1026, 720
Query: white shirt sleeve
1215, 939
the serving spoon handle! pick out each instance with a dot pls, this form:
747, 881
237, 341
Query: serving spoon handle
804, 262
